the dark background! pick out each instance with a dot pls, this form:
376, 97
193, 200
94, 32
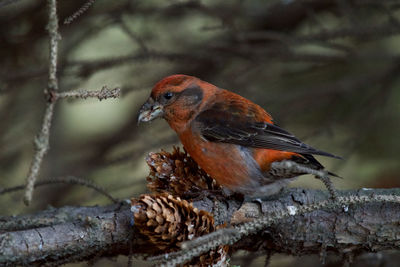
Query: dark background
327, 71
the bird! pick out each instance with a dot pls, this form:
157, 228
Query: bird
234, 140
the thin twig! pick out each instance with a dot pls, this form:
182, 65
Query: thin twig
133, 35
79, 12
267, 260
42, 139
104, 93
63, 180
7, 2
364, 31
87, 67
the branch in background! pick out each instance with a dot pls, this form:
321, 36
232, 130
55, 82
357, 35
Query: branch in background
88, 67
7, 2
125, 28
42, 140
104, 93
79, 12
63, 180
365, 32
89, 232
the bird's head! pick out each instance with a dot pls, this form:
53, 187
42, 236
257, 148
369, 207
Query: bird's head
175, 98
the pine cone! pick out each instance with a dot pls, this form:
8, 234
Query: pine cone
177, 173
168, 221
217, 257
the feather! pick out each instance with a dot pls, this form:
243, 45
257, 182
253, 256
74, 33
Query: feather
230, 123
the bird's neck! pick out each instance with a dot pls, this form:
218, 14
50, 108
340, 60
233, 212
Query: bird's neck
179, 126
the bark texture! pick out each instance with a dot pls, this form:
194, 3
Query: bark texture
71, 234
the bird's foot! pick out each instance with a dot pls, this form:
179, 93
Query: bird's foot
289, 167
329, 185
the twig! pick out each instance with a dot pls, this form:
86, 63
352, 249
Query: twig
42, 139
365, 31
267, 260
7, 2
104, 93
87, 67
133, 35
290, 40
357, 32
79, 12
63, 180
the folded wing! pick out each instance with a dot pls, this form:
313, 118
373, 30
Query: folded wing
238, 124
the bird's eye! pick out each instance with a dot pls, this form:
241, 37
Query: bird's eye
168, 95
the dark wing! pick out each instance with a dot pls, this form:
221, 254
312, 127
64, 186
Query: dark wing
232, 125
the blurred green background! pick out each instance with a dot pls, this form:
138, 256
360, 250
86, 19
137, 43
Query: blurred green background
327, 71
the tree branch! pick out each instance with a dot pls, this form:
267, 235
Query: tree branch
104, 93
42, 140
84, 8
81, 233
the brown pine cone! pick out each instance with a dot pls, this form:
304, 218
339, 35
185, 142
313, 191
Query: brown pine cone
177, 173
167, 221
